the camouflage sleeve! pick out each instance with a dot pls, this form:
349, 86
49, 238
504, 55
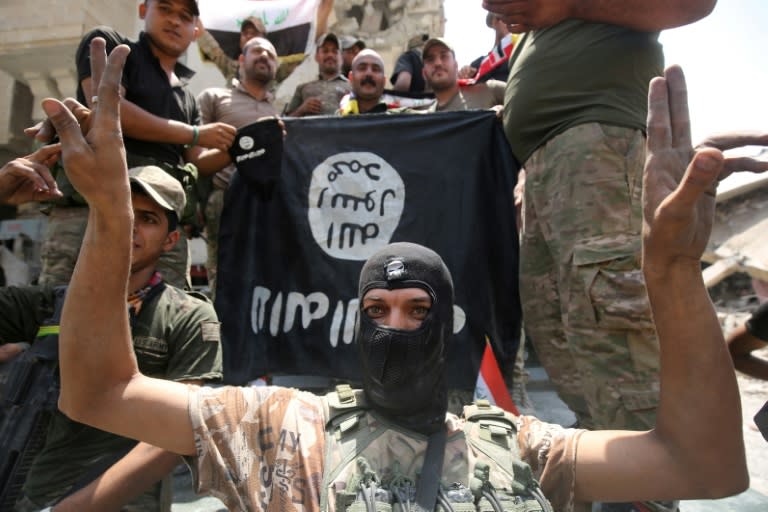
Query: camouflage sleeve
287, 64
194, 341
258, 448
211, 49
550, 450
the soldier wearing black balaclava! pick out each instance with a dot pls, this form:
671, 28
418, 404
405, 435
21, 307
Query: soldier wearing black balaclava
403, 371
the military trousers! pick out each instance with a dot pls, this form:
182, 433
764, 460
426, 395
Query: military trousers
585, 305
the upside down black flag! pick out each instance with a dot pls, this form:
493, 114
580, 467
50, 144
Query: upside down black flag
289, 261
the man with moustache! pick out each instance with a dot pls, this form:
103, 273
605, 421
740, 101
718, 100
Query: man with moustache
441, 73
160, 124
239, 105
321, 96
367, 79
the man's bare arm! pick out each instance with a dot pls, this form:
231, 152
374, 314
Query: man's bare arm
699, 397
323, 12
142, 467
100, 382
403, 81
207, 161
139, 124
211, 49
643, 15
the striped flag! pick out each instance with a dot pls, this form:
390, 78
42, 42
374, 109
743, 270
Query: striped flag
490, 384
498, 56
290, 23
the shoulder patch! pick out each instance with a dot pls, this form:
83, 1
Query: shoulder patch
211, 331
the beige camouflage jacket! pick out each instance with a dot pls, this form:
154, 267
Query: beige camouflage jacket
263, 449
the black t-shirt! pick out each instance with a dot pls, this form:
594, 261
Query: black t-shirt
411, 62
147, 86
757, 325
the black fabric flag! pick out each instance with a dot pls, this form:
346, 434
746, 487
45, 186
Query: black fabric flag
289, 260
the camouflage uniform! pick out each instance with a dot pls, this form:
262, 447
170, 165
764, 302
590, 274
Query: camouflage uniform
329, 92
61, 246
574, 115
264, 448
583, 294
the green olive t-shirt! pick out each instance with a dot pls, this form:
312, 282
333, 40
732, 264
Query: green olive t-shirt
575, 73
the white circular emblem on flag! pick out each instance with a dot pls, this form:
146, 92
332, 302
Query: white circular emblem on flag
355, 204
246, 143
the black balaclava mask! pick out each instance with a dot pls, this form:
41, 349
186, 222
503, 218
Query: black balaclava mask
403, 371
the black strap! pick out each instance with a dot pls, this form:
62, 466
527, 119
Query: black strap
429, 481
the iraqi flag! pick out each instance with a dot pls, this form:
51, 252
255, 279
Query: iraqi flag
490, 384
290, 24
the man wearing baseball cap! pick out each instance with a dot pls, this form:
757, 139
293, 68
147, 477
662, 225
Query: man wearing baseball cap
321, 96
160, 126
350, 47
407, 76
441, 73
175, 337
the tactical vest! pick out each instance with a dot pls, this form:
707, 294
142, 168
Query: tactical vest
371, 464
29, 397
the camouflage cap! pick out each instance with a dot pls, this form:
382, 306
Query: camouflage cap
255, 22
161, 187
